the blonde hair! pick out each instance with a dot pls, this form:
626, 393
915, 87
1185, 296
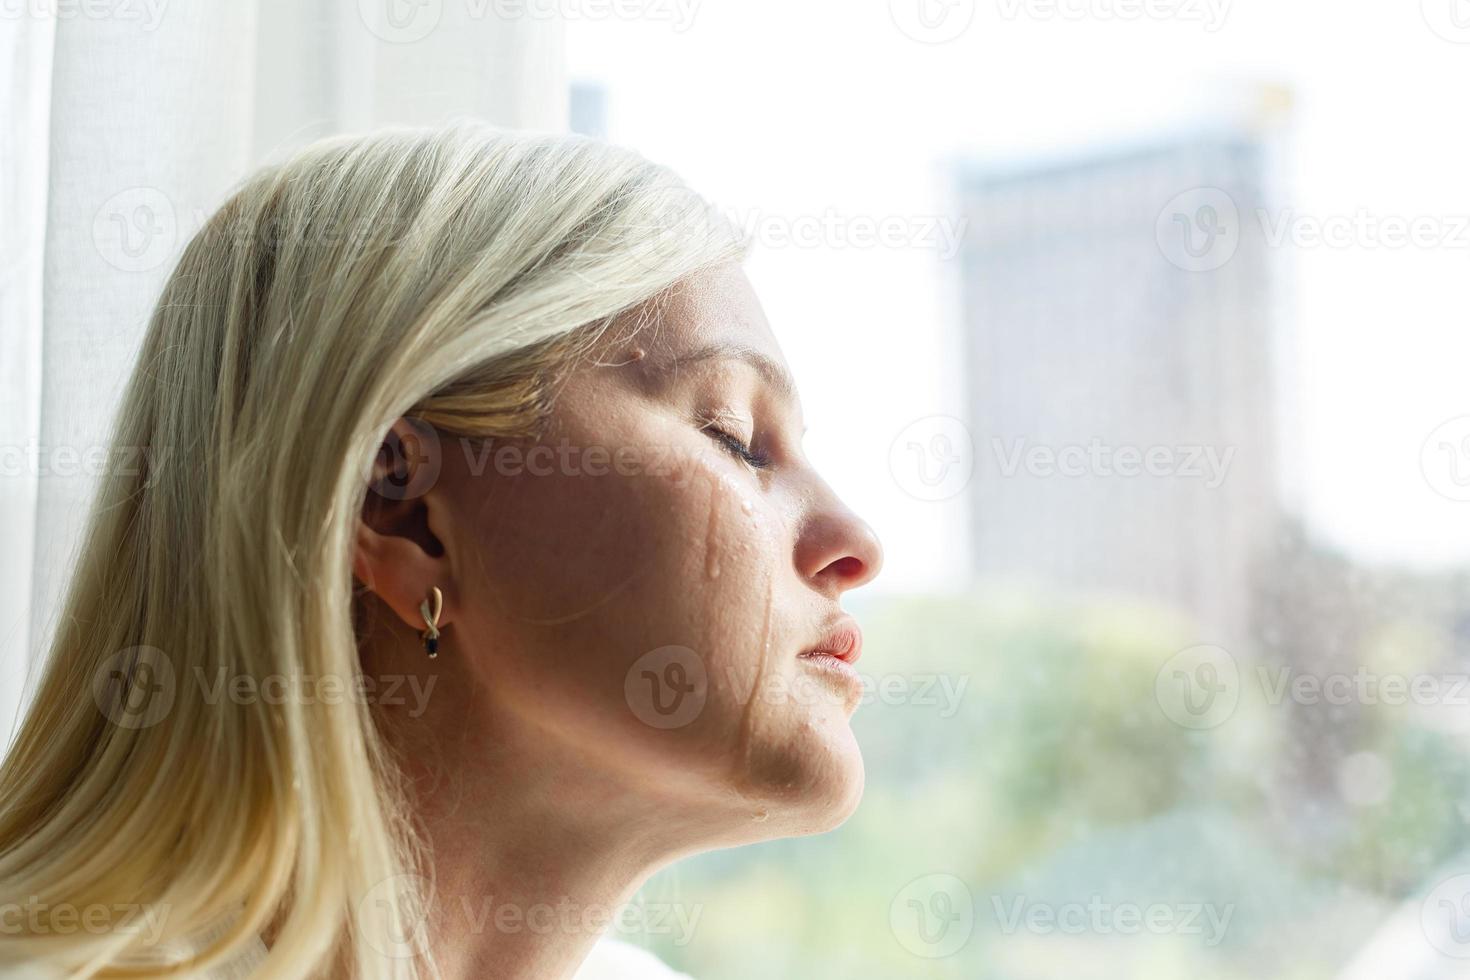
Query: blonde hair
442, 274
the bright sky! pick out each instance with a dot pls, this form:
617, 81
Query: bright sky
794, 108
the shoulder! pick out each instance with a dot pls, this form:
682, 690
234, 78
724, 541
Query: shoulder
613, 959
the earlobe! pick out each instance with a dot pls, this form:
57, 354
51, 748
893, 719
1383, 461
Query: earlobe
402, 575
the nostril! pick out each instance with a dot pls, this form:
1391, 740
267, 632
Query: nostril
847, 568
837, 549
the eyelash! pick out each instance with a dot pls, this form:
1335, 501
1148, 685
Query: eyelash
737, 448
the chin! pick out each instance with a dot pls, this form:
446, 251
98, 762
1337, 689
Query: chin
843, 801
807, 787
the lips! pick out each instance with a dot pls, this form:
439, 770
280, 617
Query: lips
843, 641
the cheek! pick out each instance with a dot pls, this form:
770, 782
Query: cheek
575, 578
676, 534
747, 642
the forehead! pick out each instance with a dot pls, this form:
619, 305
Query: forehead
711, 322
716, 308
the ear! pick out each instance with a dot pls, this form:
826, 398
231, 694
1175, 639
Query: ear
397, 554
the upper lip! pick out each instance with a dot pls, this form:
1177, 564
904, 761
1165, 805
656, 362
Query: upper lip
843, 640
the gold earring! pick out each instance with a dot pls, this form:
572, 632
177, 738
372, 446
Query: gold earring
431, 618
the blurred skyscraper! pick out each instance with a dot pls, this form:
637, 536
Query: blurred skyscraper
587, 109
1120, 374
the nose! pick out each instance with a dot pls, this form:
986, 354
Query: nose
836, 550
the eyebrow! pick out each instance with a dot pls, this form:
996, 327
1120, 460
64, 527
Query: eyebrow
771, 371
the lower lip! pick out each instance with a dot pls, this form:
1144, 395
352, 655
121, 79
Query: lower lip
833, 664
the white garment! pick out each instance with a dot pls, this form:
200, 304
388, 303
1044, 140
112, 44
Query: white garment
613, 959
610, 959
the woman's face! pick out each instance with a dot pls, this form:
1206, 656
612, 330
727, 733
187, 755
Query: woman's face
646, 582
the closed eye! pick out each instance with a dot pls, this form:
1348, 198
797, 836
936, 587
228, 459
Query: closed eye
737, 447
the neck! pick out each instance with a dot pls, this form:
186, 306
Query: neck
535, 851
531, 905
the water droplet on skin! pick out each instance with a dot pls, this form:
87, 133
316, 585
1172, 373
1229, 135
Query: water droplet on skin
711, 535
711, 548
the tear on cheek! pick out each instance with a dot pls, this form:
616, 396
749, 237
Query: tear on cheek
737, 560
737, 532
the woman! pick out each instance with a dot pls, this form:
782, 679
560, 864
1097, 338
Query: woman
475, 574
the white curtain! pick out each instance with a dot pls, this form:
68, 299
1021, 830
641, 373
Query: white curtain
123, 124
